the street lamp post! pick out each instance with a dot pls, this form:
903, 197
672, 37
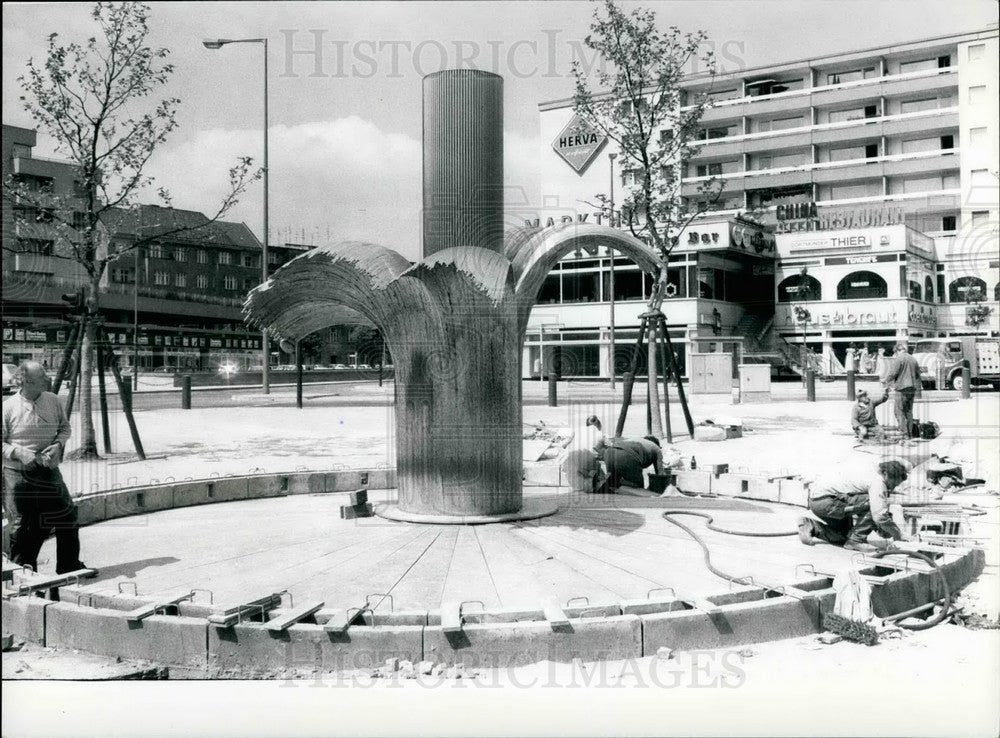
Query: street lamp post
611, 222
218, 43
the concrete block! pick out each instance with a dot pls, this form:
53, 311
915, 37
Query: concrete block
227, 489
266, 485
165, 639
761, 489
25, 618
709, 433
542, 475
517, 644
89, 510
305, 646
187, 494
717, 469
350, 512
747, 397
347, 481
793, 492
381, 478
305, 483
728, 485
695, 482
358, 497
138, 501
645, 607
751, 622
380, 618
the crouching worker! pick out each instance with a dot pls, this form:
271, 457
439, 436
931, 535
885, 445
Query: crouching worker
863, 419
626, 459
581, 466
852, 506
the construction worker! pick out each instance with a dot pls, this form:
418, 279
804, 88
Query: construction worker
581, 466
863, 419
851, 506
903, 377
626, 459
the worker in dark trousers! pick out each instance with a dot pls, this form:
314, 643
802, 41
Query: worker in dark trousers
626, 459
903, 377
851, 506
35, 432
863, 419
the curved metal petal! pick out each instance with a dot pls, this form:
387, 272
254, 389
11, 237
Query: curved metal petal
533, 258
487, 269
330, 285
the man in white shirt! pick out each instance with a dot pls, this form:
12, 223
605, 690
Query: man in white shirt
35, 433
851, 506
581, 465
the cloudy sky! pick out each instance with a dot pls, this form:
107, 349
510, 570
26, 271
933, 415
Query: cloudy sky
345, 124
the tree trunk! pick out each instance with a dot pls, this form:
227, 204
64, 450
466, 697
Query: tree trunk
654, 390
88, 433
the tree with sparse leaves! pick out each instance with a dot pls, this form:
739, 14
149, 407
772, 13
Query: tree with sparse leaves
643, 111
93, 99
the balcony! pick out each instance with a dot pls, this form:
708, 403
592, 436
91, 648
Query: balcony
37, 167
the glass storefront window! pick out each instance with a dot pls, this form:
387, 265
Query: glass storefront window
862, 286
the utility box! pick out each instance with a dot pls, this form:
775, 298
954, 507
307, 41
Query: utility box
711, 374
755, 382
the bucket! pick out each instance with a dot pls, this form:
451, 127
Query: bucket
659, 482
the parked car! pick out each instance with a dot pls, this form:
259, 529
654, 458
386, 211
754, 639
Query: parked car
340, 366
9, 382
983, 355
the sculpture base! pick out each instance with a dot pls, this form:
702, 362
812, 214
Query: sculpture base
530, 510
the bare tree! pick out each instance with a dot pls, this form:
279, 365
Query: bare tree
642, 109
86, 97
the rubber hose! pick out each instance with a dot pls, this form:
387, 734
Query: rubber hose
705, 552
946, 600
749, 533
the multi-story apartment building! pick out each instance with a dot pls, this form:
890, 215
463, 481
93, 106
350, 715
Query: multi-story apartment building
878, 171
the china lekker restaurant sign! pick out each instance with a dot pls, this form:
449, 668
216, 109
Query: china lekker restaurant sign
578, 143
805, 216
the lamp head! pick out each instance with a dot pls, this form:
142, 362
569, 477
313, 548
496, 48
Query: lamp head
214, 43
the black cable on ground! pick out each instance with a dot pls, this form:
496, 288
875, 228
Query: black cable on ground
704, 547
946, 600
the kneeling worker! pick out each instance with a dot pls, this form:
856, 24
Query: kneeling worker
626, 459
863, 419
851, 507
581, 466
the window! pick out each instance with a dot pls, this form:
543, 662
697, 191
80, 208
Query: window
202, 281
928, 289
967, 289
667, 136
156, 251
180, 280
871, 151
947, 142
20, 151
944, 62
921, 184
977, 52
789, 160
248, 284
915, 106
631, 177
862, 286
979, 217
800, 289
851, 76
981, 178
711, 133
977, 95
202, 256
80, 221
780, 124
948, 223
549, 293
915, 292
977, 136
717, 168
847, 153
121, 276
180, 254
916, 145
580, 286
861, 189
918, 66
871, 111
161, 279
225, 257
248, 260
229, 282
840, 116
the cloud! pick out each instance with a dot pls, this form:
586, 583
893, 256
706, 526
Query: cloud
342, 179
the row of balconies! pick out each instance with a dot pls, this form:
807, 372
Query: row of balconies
832, 96
864, 129
897, 165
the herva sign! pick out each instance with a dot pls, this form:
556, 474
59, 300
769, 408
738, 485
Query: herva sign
578, 143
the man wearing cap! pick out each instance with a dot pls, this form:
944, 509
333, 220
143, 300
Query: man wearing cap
903, 376
852, 505
35, 432
863, 419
